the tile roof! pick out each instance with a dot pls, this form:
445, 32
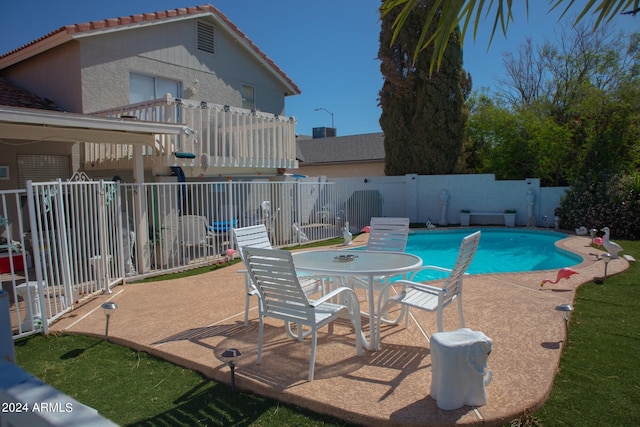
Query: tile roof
67, 32
341, 149
14, 96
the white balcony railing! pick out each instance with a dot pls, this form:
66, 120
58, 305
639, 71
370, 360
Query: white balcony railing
222, 137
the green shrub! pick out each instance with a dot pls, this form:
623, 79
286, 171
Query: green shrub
601, 200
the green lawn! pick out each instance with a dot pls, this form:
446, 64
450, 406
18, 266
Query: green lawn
134, 389
598, 382
599, 379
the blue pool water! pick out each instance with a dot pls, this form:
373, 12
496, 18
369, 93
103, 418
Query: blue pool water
500, 251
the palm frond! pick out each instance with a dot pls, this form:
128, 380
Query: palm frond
451, 13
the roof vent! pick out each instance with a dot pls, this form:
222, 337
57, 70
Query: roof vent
205, 37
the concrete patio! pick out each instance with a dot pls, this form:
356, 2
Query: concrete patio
192, 320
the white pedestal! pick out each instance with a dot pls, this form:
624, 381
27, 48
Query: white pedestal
99, 272
29, 293
459, 371
465, 218
510, 220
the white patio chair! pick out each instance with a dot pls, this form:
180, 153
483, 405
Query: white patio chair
256, 236
386, 235
282, 297
193, 235
432, 298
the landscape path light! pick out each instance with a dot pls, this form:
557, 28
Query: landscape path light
109, 308
606, 258
230, 357
566, 309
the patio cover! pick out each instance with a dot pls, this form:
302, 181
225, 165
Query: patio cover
43, 125
32, 124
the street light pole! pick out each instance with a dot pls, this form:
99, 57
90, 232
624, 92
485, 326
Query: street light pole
324, 109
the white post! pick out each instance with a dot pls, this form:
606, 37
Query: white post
411, 188
443, 199
37, 259
142, 221
101, 270
531, 200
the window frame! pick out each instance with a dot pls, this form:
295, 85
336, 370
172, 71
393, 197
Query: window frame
155, 78
244, 100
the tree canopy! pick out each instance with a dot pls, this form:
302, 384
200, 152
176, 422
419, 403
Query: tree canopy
564, 109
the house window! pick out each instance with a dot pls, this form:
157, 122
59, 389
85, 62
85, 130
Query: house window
205, 39
248, 97
42, 168
145, 88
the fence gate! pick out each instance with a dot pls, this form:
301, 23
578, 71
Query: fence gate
69, 232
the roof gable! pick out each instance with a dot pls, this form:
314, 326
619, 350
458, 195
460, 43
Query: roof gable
71, 32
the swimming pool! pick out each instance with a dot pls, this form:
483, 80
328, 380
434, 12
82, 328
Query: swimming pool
500, 251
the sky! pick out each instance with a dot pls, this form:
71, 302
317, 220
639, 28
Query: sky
328, 48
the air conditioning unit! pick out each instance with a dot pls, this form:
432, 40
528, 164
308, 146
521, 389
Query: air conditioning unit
324, 132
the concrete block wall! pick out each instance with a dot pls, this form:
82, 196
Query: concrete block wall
419, 197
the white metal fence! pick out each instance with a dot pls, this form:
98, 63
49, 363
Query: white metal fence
64, 241
63, 244
68, 240
178, 225
15, 263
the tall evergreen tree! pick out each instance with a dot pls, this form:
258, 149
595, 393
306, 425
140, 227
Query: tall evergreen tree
423, 115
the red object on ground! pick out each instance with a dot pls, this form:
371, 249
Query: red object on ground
563, 273
18, 262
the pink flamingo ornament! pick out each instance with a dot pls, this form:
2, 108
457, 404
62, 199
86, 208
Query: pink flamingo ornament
598, 241
231, 254
563, 273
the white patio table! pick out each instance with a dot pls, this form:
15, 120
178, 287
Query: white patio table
341, 264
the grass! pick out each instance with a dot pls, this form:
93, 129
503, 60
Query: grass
133, 388
598, 382
599, 378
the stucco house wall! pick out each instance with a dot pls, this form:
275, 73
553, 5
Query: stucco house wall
54, 74
85, 68
92, 73
169, 51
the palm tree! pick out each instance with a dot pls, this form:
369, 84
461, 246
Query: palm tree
450, 14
